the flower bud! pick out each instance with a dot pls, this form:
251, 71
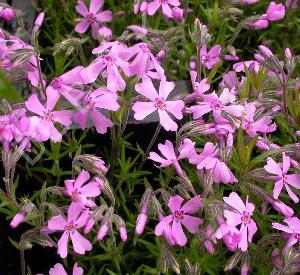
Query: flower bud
193, 65
161, 55
7, 14
141, 221
288, 53
208, 245
245, 269
39, 21
143, 7
123, 233
177, 13
265, 51
137, 29
103, 231
276, 258
18, 219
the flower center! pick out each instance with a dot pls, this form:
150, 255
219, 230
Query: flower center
160, 103
178, 215
91, 18
88, 102
70, 227
75, 193
204, 59
246, 217
56, 83
217, 106
48, 115
144, 48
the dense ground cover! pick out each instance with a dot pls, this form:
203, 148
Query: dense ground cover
210, 184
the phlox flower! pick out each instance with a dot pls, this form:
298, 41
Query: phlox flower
252, 126
49, 116
159, 102
216, 104
280, 171
275, 12
199, 87
211, 57
180, 215
92, 17
80, 189
58, 269
292, 230
242, 216
164, 5
169, 154
77, 218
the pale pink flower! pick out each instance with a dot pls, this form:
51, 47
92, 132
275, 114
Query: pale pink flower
159, 102
49, 116
77, 218
211, 57
242, 216
170, 157
58, 269
292, 230
164, 5
92, 17
180, 215
199, 87
81, 189
280, 171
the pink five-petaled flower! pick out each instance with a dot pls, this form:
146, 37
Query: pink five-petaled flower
80, 192
158, 102
168, 152
58, 269
49, 116
241, 216
293, 230
92, 17
210, 58
282, 179
180, 215
217, 104
165, 6
77, 218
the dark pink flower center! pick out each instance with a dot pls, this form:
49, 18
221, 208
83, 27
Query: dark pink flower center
91, 18
70, 227
75, 193
248, 126
160, 103
246, 217
178, 215
48, 115
88, 102
144, 48
204, 58
56, 83
217, 105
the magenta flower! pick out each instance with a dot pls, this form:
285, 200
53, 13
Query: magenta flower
242, 216
212, 102
49, 116
80, 192
90, 103
77, 218
261, 125
7, 14
58, 269
92, 17
280, 171
292, 230
159, 102
180, 216
165, 6
168, 152
210, 58
18, 219
275, 12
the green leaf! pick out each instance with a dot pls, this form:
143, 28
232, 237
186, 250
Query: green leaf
7, 90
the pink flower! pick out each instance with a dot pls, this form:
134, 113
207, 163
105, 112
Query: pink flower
261, 125
292, 230
39, 21
199, 87
275, 12
210, 238
58, 269
7, 14
165, 6
49, 116
281, 178
180, 216
92, 17
177, 13
259, 24
168, 152
242, 216
77, 218
210, 58
212, 102
18, 219
80, 192
159, 102
90, 103
230, 235
141, 221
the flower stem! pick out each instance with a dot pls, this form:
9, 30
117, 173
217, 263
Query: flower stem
22, 257
158, 128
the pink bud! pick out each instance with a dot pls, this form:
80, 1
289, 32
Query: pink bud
193, 65
259, 24
18, 219
102, 231
288, 53
245, 269
39, 20
276, 258
7, 14
177, 13
143, 7
89, 225
137, 29
136, 8
283, 208
259, 58
297, 133
123, 233
105, 32
266, 51
140, 223
161, 55
208, 245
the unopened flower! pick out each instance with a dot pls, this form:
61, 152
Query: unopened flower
159, 102
39, 21
141, 220
275, 12
180, 215
7, 14
18, 219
